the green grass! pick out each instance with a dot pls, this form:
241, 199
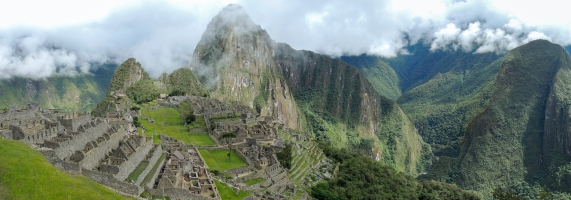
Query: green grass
173, 126
26, 174
155, 167
218, 159
201, 140
254, 181
226, 192
135, 174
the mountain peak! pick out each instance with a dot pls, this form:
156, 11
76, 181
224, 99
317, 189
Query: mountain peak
234, 18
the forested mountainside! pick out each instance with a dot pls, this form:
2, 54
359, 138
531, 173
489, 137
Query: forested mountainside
305, 90
522, 137
442, 91
79, 93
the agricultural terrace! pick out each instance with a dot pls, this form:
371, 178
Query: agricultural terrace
218, 159
169, 122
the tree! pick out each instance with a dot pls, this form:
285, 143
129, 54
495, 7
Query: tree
501, 194
190, 118
285, 156
227, 137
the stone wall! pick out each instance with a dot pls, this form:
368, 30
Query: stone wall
6, 134
178, 193
151, 183
77, 143
17, 114
72, 124
92, 157
38, 137
152, 161
50, 155
127, 167
112, 182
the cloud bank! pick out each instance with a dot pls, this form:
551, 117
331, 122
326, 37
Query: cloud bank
163, 34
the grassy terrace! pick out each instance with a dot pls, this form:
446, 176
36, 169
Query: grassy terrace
226, 192
135, 174
218, 159
155, 167
168, 121
26, 174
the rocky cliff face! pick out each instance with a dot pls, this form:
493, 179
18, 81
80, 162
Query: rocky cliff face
522, 136
235, 59
306, 91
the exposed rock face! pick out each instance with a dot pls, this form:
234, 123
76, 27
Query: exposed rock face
239, 61
236, 58
523, 135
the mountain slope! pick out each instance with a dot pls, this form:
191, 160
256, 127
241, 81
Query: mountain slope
74, 93
522, 135
442, 91
131, 84
131, 80
380, 74
304, 90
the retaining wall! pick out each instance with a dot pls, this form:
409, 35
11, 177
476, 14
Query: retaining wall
92, 157
152, 161
129, 166
178, 193
112, 182
77, 143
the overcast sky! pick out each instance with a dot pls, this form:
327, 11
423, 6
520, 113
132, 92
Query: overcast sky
39, 37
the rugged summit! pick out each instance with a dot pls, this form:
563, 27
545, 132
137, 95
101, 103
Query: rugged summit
325, 96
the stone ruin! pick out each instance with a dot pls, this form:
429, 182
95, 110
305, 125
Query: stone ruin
98, 148
184, 171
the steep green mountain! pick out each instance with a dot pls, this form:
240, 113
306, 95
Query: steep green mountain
304, 90
74, 93
442, 91
183, 81
131, 85
523, 135
130, 81
380, 74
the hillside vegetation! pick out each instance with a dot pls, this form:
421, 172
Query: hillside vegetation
26, 174
79, 93
383, 78
519, 139
442, 91
360, 177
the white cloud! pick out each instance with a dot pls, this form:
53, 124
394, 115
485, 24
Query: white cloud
38, 38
